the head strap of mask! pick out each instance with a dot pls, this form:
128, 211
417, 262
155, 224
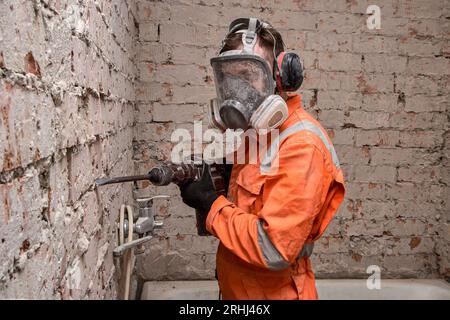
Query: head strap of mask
249, 27
250, 36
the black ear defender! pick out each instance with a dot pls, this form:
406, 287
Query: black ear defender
288, 69
288, 72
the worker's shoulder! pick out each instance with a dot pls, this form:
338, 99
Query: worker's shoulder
304, 129
302, 133
306, 133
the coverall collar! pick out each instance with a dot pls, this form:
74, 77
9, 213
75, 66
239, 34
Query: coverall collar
294, 102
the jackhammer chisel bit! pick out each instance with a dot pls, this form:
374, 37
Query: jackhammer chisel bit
160, 175
178, 174
104, 181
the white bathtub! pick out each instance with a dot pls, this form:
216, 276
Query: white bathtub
345, 289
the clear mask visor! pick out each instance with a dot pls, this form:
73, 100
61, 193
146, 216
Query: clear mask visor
243, 77
242, 83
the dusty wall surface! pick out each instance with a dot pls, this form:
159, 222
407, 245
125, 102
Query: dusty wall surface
67, 77
383, 95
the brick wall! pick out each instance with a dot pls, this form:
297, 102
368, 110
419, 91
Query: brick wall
67, 80
92, 88
383, 95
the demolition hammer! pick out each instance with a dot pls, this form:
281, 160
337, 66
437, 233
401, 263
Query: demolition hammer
179, 174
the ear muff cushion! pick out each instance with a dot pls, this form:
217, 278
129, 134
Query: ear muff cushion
291, 71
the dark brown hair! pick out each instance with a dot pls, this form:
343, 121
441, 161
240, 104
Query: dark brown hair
266, 38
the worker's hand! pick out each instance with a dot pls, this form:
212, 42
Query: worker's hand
200, 194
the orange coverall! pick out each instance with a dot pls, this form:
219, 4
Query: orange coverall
270, 215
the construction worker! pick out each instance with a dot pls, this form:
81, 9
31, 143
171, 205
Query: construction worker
274, 209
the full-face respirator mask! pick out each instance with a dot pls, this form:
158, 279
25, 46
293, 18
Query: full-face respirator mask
246, 87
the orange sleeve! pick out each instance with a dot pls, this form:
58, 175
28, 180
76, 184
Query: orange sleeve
292, 197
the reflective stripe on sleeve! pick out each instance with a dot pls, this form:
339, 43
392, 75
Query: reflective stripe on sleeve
273, 258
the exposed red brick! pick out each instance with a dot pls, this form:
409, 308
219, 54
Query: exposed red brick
31, 65
2, 60
415, 241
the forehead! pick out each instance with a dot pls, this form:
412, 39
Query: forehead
263, 52
239, 66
